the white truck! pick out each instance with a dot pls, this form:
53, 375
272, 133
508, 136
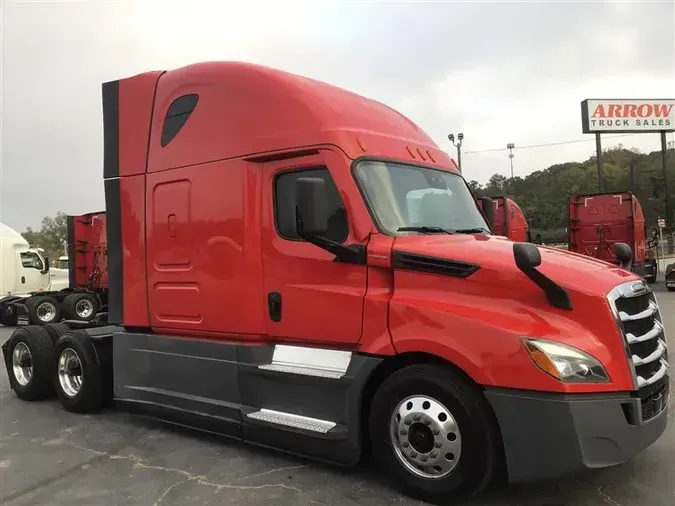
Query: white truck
26, 280
59, 273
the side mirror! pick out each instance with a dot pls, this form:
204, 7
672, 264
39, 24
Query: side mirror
526, 255
488, 211
311, 213
624, 255
46, 269
528, 258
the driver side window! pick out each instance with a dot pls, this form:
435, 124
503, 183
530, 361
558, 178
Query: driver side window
284, 205
30, 260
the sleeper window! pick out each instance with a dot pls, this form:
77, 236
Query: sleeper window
177, 115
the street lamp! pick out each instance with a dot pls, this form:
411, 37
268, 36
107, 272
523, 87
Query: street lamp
458, 145
510, 146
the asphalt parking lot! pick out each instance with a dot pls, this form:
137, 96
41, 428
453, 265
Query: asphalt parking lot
49, 456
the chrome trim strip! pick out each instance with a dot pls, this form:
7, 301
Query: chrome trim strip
656, 354
625, 317
612, 297
629, 289
303, 371
654, 378
654, 332
318, 362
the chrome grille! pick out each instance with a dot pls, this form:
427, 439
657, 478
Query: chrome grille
638, 317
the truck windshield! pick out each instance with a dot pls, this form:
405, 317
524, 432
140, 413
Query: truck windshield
410, 199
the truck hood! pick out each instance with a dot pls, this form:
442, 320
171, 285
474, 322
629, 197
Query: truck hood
494, 256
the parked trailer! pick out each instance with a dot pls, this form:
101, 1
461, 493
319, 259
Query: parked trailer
508, 219
300, 267
597, 222
29, 287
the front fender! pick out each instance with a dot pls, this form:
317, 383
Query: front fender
467, 363
482, 334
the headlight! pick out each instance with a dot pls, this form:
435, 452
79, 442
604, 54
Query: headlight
565, 363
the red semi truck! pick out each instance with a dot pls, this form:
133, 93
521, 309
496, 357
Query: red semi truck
300, 267
508, 219
598, 221
88, 265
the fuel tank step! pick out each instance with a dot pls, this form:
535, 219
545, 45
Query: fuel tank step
291, 420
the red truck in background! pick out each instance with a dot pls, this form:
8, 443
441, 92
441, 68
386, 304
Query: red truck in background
88, 265
300, 267
508, 219
599, 221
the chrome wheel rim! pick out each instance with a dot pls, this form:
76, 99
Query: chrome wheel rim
70, 372
46, 311
22, 364
84, 308
425, 437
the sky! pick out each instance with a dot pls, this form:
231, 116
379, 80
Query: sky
498, 72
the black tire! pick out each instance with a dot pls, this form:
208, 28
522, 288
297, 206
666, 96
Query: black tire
41, 349
671, 289
480, 458
73, 311
37, 304
56, 330
91, 395
651, 279
8, 316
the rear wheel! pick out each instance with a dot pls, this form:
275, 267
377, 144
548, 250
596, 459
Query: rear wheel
8, 315
30, 352
77, 374
43, 310
81, 306
56, 330
434, 433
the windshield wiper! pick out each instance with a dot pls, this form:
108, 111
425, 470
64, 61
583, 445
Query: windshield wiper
471, 231
425, 230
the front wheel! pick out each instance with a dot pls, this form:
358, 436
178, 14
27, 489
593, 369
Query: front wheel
434, 433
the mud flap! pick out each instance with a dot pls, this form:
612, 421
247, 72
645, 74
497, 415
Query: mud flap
5, 348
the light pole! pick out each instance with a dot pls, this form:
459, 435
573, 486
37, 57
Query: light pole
510, 147
458, 145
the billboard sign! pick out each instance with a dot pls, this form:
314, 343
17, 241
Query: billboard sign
627, 116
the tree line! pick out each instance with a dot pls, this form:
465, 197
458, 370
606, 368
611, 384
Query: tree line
52, 235
543, 194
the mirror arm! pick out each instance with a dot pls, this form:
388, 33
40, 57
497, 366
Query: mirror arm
353, 254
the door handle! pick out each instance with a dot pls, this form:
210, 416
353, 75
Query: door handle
172, 225
23, 279
274, 306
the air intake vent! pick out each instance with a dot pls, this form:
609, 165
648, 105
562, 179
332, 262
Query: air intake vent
433, 265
